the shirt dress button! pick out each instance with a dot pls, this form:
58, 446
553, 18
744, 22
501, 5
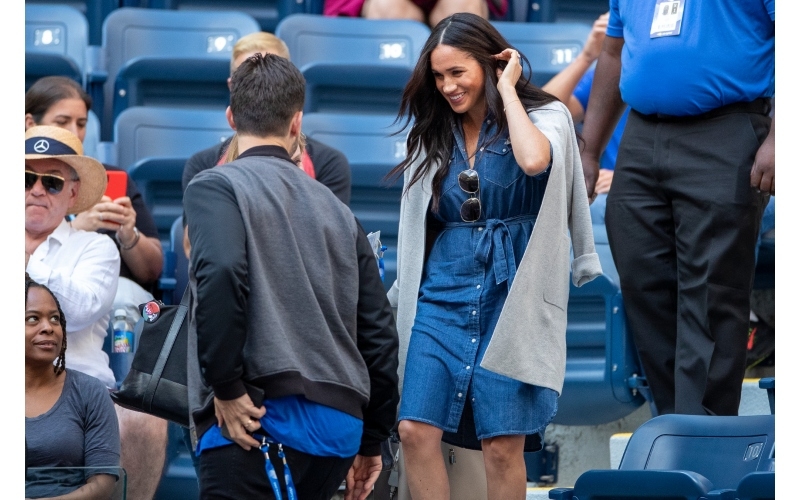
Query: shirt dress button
468, 368
478, 287
459, 394
480, 229
473, 341
474, 313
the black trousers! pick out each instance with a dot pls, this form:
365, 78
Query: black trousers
232, 473
682, 224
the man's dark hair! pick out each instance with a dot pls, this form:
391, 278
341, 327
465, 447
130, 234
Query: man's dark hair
266, 91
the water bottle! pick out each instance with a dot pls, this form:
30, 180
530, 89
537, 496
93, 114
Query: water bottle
123, 332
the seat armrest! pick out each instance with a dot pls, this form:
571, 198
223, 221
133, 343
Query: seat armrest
560, 494
631, 484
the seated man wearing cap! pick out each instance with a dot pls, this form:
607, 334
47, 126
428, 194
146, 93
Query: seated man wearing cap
82, 270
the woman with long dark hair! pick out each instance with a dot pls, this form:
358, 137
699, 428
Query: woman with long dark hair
493, 187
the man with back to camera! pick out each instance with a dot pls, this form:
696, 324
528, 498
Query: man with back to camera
288, 312
694, 171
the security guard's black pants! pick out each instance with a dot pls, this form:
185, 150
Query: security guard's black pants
682, 224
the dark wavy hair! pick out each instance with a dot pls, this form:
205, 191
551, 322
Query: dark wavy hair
49, 90
29, 283
431, 113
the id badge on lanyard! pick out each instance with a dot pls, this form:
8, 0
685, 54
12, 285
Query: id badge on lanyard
667, 19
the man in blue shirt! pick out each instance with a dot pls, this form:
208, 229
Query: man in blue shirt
694, 171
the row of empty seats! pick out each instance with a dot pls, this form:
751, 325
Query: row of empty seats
164, 58
269, 13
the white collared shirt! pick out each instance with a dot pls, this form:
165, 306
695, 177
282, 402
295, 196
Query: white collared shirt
82, 270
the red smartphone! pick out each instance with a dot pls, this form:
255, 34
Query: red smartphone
117, 184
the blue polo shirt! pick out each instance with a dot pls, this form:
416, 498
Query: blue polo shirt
725, 53
581, 92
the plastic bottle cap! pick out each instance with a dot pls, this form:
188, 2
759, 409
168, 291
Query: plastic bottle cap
120, 312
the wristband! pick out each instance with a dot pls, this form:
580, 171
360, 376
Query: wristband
133, 244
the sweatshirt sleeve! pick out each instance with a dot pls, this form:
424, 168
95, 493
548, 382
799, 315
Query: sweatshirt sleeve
378, 344
219, 261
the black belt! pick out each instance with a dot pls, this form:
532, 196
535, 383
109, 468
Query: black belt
762, 105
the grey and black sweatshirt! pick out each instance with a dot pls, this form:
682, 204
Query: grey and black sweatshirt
287, 296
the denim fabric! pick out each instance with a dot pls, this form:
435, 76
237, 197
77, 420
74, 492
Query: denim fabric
464, 285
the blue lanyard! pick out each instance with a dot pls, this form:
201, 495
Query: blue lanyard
273, 476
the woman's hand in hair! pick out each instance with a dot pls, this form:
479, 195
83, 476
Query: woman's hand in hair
509, 69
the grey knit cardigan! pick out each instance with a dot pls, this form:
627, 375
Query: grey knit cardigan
529, 341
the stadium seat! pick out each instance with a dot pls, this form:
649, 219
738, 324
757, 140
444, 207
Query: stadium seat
757, 486
168, 58
549, 47
179, 264
353, 65
56, 41
602, 381
179, 481
153, 145
690, 457
372, 152
268, 13
95, 11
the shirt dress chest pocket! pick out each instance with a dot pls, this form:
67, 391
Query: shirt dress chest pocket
456, 165
501, 167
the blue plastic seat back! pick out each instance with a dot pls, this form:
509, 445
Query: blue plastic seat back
153, 145
95, 11
181, 262
169, 58
757, 486
268, 13
599, 383
372, 151
351, 64
549, 47
56, 37
722, 449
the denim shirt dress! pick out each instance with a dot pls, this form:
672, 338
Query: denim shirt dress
465, 282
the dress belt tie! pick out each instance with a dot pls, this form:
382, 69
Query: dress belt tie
496, 242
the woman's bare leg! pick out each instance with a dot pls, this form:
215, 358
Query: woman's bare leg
505, 467
422, 455
444, 8
392, 9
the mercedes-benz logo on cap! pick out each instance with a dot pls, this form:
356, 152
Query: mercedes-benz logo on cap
41, 146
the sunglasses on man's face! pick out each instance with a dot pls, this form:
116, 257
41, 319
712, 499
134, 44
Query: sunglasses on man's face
51, 182
469, 182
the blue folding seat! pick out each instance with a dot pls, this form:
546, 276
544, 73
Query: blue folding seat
179, 481
372, 151
95, 11
603, 380
353, 65
153, 145
549, 47
168, 58
690, 457
757, 486
56, 40
268, 13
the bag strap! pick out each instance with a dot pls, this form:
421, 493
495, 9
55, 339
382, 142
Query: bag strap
166, 349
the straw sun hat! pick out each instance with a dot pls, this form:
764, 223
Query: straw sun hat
44, 141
